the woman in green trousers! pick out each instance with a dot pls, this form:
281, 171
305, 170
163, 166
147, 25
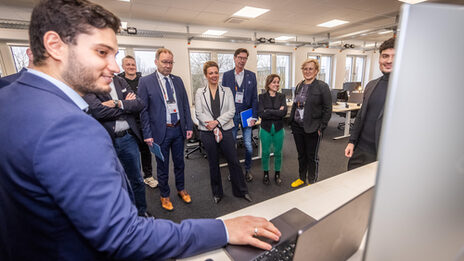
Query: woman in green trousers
272, 110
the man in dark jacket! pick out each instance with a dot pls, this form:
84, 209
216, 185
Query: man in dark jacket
364, 140
115, 111
132, 77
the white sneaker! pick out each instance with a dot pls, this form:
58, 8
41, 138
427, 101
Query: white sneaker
153, 183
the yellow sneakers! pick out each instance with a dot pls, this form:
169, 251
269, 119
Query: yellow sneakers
297, 183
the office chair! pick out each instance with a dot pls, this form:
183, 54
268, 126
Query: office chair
342, 96
194, 144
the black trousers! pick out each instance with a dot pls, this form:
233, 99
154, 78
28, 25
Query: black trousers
227, 146
360, 158
307, 146
145, 154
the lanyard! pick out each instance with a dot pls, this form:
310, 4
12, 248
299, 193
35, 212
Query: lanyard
163, 89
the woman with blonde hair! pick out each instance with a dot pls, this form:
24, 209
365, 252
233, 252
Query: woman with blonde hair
310, 114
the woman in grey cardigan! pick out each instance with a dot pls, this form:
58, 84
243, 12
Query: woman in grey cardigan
215, 109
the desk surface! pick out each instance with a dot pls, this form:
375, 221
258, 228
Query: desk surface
340, 107
316, 200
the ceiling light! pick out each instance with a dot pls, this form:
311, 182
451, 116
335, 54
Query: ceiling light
250, 12
412, 1
284, 38
124, 0
369, 45
385, 32
335, 43
332, 23
215, 32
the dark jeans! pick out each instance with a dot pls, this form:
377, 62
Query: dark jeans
307, 146
128, 153
227, 146
174, 142
145, 154
360, 158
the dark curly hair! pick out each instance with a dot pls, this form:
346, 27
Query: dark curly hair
68, 18
390, 43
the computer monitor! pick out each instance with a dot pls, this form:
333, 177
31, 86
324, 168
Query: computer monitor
351, 86
288, 93
418, 212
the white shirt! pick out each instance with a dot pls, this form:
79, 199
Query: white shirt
162, 81
239, 77
120, 125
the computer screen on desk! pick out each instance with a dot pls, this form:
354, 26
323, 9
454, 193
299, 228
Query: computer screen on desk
288, 93
418, 212
351, 86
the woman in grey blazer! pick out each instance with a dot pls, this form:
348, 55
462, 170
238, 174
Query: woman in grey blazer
215, 110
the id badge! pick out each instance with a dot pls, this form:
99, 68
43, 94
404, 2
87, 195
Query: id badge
172, 107
301, 113
239, 97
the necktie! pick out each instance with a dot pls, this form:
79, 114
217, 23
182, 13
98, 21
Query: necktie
170, 99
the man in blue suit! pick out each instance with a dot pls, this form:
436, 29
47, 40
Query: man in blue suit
244, 87
166, 121
117, 112
63, 192
13, 77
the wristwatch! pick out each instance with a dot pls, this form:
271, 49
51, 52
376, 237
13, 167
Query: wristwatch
116, 103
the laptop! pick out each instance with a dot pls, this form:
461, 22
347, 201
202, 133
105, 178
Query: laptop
335, 237
289, 223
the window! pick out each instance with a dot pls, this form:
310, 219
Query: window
145, 60
354, 69
121, 54
20, 57
277, 63
283, 70
224, 59
197, 59
263, 69
325, 64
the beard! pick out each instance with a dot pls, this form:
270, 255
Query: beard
82, 78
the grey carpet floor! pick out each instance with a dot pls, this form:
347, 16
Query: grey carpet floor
331, 162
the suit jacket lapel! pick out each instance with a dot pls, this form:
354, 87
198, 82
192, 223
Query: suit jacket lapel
206, 95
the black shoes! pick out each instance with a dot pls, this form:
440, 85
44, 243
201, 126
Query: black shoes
247, 197
216, 199
248, 176
278, 181
266, 180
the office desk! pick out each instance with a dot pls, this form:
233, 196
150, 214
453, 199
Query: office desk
316, 200
342, 108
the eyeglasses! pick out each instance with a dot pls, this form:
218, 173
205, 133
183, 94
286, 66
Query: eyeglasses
167, 63
242, 58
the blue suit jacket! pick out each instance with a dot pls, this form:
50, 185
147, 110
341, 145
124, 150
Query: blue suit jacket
63, 192
11, 78
153, 115
250, 90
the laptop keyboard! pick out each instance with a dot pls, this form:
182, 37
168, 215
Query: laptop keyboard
281, 252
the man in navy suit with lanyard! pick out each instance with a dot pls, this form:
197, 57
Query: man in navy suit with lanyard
166, 121
243, 85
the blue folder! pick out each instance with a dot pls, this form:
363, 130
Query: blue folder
245, 115
156, 149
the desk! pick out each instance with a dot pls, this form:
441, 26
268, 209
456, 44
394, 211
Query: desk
342, 108
316, 200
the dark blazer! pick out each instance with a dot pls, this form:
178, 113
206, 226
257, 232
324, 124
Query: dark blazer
249, 85
63, 192
11, 78
153, 115
359, 122
318, 106
107, 116
270, 113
